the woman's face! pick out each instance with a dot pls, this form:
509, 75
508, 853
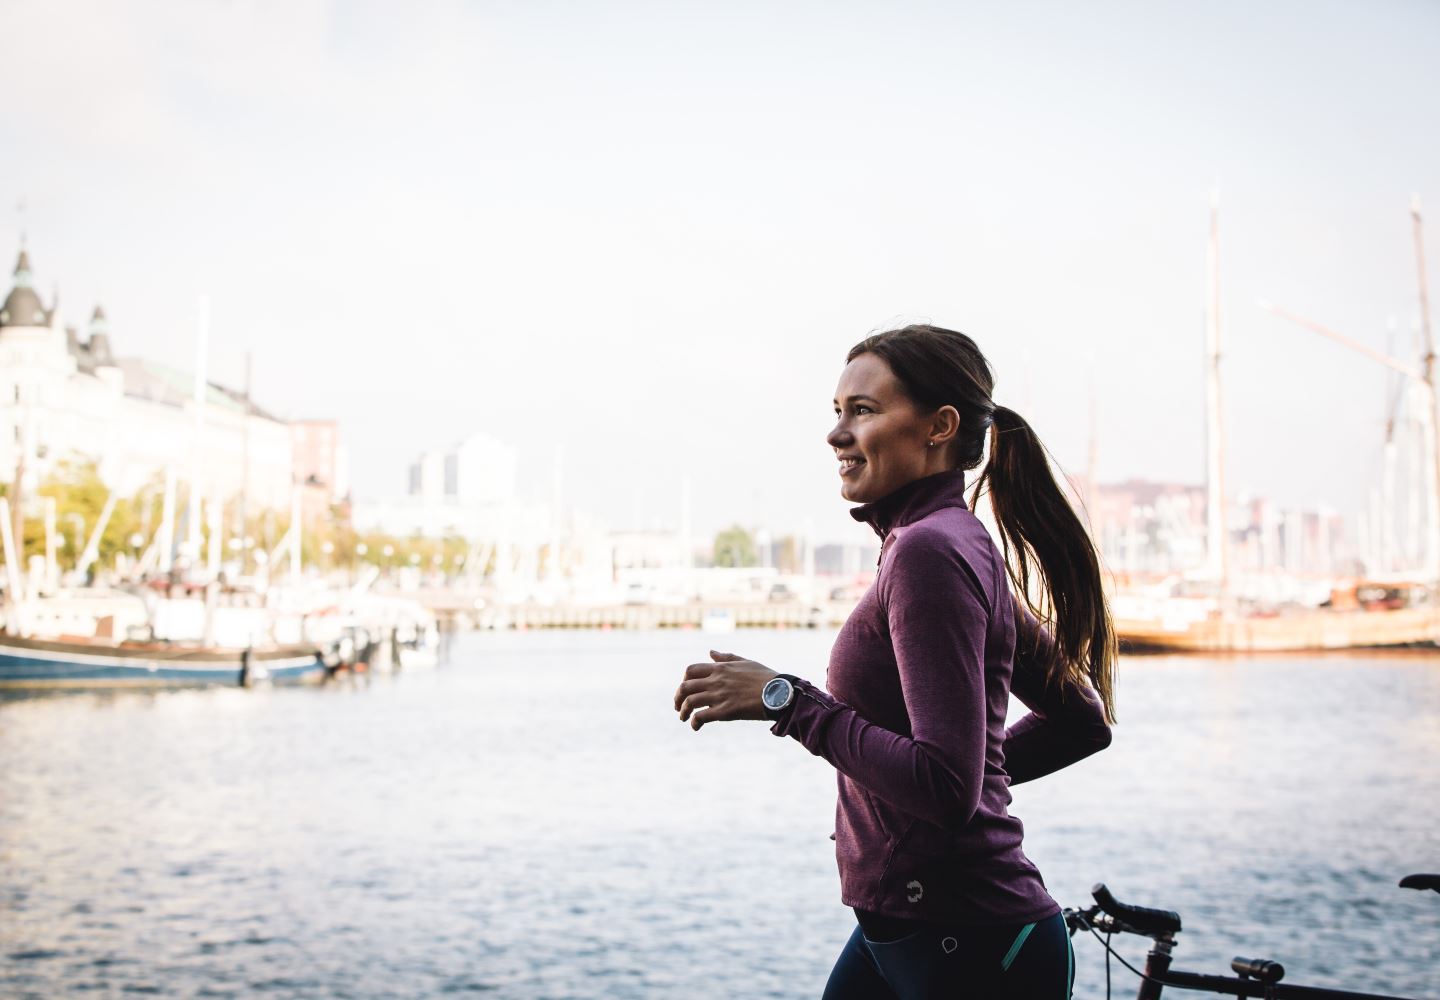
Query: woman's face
880, 438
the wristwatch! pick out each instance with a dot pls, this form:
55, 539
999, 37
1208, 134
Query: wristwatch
778, 696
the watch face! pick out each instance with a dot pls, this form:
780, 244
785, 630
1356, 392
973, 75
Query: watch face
776, 693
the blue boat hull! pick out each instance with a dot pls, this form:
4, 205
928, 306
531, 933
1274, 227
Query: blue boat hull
35, 663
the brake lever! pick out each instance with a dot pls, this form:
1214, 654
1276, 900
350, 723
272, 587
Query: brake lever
1110, 924
1080, 920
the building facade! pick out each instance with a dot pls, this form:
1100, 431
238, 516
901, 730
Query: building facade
67, 399
1149, 530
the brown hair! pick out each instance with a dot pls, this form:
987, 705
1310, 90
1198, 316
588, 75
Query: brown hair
1043, 541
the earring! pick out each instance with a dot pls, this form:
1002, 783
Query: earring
932, 444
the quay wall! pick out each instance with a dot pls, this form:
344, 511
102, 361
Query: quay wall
710, 617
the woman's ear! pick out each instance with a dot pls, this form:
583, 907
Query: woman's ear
945, 424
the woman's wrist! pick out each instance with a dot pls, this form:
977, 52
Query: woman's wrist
779, 696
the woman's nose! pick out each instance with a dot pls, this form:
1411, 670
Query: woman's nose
838, 436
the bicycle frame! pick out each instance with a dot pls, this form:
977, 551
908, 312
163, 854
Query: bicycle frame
1158, 975
1160, 926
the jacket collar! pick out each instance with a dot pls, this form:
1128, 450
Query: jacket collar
913, 501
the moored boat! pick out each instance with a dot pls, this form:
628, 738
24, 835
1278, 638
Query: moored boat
1311, 629
78, 662
1358, 614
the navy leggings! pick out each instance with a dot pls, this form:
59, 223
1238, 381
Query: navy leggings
1023, 962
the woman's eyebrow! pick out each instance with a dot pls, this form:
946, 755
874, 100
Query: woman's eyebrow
856, 399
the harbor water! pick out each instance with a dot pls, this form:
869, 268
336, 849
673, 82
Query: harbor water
531, 820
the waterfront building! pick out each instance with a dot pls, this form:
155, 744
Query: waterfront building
1149, 530
321, 469
467, 490
320, 460
427, 478
479, 469
67, 398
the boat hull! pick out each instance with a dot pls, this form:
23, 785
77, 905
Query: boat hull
39, 663
1315, 630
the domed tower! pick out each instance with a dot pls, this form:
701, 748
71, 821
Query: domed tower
22, 306
99, 346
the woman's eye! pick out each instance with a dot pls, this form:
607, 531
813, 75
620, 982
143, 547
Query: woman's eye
862, 409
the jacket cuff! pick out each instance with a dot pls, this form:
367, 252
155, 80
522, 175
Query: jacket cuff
805, 720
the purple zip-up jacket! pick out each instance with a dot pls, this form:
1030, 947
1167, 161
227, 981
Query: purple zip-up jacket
919, 681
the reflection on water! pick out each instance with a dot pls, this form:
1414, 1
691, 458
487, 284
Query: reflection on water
532, 821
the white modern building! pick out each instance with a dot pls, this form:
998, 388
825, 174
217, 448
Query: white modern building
467, 490
64, 398
478, 470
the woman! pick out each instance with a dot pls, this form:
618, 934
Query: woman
920, 677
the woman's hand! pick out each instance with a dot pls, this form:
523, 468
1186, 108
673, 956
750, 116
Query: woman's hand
727, 689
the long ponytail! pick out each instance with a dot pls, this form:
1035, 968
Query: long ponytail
1048, 554
1053, 565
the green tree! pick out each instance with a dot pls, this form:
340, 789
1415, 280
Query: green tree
79, 496
734, 546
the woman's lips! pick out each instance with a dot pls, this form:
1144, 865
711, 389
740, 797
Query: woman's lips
849, 466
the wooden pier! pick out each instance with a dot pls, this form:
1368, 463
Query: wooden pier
461, 611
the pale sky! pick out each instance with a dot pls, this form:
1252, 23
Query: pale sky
648, 232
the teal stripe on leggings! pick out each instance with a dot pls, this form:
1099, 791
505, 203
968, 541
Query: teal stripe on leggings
1069, 966
1015, 948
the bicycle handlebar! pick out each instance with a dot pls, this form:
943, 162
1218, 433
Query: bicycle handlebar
1422, 880
1262, 969
1256, 974
1141, 919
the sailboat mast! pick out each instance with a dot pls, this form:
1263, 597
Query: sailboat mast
245, 472
192, 539
1386, 559
1218, 558
1428, 376
17, 495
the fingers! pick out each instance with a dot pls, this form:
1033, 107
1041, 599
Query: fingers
689, 691
699, 670
713, 713
699, 698
693, 704
695, 675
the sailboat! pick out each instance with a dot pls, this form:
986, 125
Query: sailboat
101, 639
1360, 614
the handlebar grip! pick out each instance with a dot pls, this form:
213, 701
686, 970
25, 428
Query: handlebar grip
1422, 880
1142, 918
1262, 969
